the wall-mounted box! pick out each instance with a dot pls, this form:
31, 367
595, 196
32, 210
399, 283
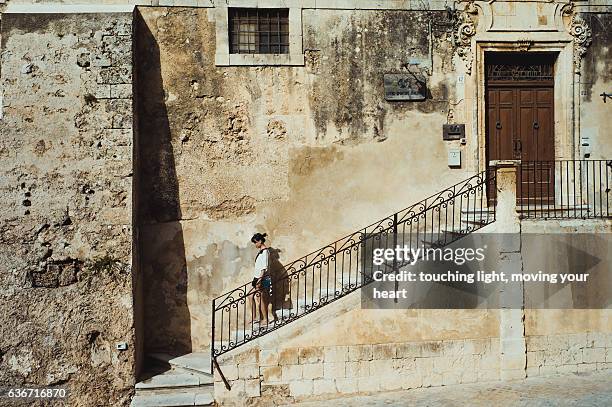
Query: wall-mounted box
453, 131
454, 158
405, 87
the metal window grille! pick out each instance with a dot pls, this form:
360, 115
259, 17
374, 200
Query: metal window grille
259, 31
520, 66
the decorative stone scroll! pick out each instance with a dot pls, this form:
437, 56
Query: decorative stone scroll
464, 30
580, 30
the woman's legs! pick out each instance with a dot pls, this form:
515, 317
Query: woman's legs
264, 303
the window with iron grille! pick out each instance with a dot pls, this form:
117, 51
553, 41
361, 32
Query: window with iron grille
259, 31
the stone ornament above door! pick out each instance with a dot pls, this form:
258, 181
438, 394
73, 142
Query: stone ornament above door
521, 22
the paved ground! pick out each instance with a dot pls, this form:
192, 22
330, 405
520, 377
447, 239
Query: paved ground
582, 389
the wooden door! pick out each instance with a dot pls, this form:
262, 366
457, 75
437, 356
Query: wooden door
520, 123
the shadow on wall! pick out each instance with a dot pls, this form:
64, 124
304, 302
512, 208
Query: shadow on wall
167, 322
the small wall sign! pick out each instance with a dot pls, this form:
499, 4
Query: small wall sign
453, 131
407, 87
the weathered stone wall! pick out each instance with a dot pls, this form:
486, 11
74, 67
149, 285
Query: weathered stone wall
234, 150
66, 229
596, 79
568, 353
317, 371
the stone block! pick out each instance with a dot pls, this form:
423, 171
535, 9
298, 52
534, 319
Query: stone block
431, 349
469, 348
271, 374
404, 365
311, 355
453, 348
567, 369
445, 364
360, 352
604, 366
578, 340
230, 372
336, 354
390, 382
557, 342
482, 346
599, 340
248, 357
114, 75
424, 365
289, 356
358, 369
101, 61
268, 357
586, 367
384, 351
450, 378
594, 355
548, 370
486, 375
536, 343
533, 371
367, 384
346, 385
333, 370
411, 380
381, 368
312, 370
300, 388
121, 91
609, 355
469, 376
324, 386
512, 374
489, 361
236, 385
252, 388
248, 371
409, 350
102, 92
571, 356
432, 379
535, 359
291, 372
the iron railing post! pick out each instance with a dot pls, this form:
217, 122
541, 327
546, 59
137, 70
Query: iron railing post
212, 340
395, 271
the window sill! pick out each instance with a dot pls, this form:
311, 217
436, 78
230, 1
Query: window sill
259, 59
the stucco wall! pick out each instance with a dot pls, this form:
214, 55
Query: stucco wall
306, 154
65, 258
596, 79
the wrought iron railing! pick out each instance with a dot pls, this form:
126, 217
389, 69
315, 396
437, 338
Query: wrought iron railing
565, 189
339, 268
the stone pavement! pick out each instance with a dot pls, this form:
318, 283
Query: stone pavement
578, 389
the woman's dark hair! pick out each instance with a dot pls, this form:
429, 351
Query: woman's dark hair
259, 237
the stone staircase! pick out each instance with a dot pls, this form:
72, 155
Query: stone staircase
176, 382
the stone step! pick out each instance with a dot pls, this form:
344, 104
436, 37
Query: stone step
174, 399
174, 379
195, 362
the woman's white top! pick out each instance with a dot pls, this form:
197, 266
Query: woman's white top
261, 263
